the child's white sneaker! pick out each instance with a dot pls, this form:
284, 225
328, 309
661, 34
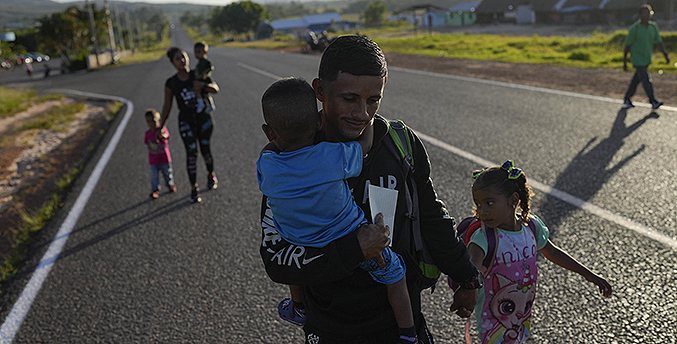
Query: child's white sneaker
200, 105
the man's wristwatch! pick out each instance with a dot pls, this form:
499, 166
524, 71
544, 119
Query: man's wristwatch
476, 282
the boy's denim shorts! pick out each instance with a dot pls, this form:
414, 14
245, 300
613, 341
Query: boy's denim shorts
394, 271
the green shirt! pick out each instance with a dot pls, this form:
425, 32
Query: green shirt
202, 65
641, 40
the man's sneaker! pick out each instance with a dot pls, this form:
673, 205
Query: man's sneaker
172, 189
656, 105
627, 104
290, 313
155, 194
212, 181
194, 196
200, 105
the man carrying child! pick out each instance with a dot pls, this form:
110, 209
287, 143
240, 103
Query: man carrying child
342, 302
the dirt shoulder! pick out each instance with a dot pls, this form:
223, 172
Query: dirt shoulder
38, 165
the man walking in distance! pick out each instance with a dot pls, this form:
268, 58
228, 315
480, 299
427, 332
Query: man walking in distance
642, 37
342, 303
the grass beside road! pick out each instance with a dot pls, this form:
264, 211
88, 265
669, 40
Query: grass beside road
34, 205
12, 101
595, 51
55, 118
15, 101
151, 52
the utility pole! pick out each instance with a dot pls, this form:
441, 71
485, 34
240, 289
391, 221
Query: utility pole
139, 33
130, 31
92, 28
111, 36
117, 21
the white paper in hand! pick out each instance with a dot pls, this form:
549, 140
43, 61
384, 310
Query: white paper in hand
383, 200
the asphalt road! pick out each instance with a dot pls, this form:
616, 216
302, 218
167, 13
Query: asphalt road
166, 271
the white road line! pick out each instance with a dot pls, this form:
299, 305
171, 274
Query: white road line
525, 87
568, 198
493, 83
13, 321
259, 71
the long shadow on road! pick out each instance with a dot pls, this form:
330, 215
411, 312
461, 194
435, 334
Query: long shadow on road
150, 216
588, 171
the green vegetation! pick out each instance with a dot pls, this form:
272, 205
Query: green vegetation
151, 50
595, 51
15, 101
113, 109
34, 221
31, 223
152, 53
56, 118
240, 17
375, 14
12, 101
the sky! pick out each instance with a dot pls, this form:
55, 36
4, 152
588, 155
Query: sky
197, 2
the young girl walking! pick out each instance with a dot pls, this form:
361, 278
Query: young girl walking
513, 239
160, 160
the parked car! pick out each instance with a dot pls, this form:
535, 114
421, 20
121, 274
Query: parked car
37, 57
6, 64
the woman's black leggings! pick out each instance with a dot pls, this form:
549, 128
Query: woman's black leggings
196, 130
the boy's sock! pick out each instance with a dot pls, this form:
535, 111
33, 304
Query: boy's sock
408, 335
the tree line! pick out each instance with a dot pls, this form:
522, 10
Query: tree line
245, 16
68, 33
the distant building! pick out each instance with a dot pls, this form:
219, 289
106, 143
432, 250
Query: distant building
314, 22
518, 11
566, 11
462, 14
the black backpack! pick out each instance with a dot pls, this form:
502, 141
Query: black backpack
399, 145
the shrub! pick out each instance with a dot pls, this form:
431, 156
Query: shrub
579, 55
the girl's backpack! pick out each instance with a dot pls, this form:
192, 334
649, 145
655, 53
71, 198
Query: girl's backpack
465, 231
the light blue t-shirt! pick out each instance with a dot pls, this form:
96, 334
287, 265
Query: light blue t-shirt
308, 192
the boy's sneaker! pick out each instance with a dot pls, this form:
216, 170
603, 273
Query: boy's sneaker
172, 189
194, 196
212, 181
200, 105
290, 313
155, 194
627, 104
655, 105
407, 340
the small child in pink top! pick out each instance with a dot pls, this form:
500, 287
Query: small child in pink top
158, 154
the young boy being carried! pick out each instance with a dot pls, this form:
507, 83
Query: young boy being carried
203, 74
307, 191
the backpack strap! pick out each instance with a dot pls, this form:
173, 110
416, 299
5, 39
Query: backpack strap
400, 134
400, 147
533, 225
488, 261
469, 229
